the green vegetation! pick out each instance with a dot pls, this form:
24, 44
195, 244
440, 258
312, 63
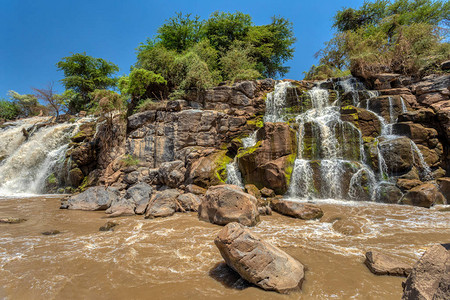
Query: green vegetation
193, 54
8, 110
401, 36
83, 74
130, 160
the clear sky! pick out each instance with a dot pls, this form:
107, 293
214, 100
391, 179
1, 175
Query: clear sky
36, 34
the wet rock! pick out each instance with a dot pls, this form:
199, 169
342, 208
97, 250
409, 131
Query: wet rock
11, 220
424, 195
258, 261
397, 154
388, 193
253, 190
407, 184
381, 264
224, 204
163, 204
270, 161
76, 176
264, 210
109, 226
430, 276
188, 202
94, 198
51, 232
205, 170
267, 193
444, 186
296, 210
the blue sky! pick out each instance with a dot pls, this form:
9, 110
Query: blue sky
35, 35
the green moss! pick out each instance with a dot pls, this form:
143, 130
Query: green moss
249, 150
256, 122
83, 185
289, 168
130, 160
72, 120
51, 179
221, 167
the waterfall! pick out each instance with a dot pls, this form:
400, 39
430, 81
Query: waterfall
302, 180
30, 160
404, 109
233, 174
425, 171
249, 141
276, 102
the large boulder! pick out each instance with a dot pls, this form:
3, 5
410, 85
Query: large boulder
224, 204
162, 204
430, 276
188, 202
172, 173
444, 186
94, 198
424, 195
258, 261
382, 264
134, 201
398, 154
269, 163
296, 209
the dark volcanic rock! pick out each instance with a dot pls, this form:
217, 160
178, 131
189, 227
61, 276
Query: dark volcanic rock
224, 204
258, 261
296, 210
430, 276
381, 264
94, 198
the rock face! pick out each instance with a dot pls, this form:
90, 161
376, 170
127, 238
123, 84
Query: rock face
430, 276
381, 264
296, 210
188, 202
269, 163
94, 198
424, 195
224, 204
258, 261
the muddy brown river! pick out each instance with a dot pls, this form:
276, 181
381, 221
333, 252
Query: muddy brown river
175, 257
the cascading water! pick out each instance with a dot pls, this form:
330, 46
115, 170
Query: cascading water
29, 159
233, 174
276, 103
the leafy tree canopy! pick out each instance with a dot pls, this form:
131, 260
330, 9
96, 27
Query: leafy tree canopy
402, 36
194, 54
84, 74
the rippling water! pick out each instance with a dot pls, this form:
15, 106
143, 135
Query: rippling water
175, 257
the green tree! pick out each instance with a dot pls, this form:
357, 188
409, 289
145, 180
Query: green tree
8, 110
223, 28
180, 32
237, 62
84, 74
28, 104
55, 102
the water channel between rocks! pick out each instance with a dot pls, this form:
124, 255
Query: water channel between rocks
175, 257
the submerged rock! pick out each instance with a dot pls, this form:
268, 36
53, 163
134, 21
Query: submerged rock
94, 198
12, 220
109, 226
227, 203
51, 232
430, 276
296, 210
258, 261
381, 264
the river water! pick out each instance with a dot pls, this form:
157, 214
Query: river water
175, 257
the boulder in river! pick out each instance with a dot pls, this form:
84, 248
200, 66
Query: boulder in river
162, 204
12, 220
228, 203
258, 261
94, 198
109, 226
424, 195
382, 264
430, 276
296, 209
188, 202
